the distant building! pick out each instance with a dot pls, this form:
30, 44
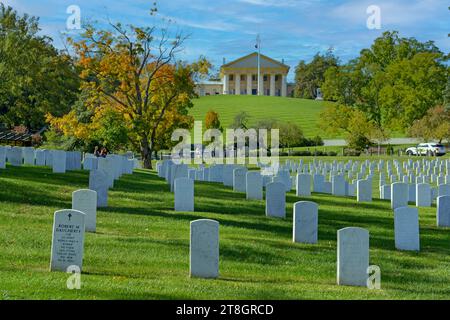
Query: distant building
240, 77
209, 88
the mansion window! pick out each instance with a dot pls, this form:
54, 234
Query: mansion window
231, 77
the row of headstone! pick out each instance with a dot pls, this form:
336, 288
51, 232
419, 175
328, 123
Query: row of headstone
352, 246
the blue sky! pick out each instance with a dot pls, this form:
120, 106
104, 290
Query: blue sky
292, 30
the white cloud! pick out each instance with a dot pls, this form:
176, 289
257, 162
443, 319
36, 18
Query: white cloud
272, 3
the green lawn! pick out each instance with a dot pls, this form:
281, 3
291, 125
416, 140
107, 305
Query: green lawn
141, 249
303, 112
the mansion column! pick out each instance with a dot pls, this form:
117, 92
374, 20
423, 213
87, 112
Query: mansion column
283, 86
272, 85
249, 83
237, 84
225, 84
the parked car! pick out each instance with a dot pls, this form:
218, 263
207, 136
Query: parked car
426, 149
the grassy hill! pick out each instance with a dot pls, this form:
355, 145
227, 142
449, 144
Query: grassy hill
141, 248
303, 112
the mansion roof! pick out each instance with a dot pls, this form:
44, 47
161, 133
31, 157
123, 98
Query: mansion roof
251, 61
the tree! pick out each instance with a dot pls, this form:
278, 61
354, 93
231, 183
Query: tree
357, 128
241, 121
435, 125
212, 120
393, 82
290, 134
310, 76
133, 71
36, 79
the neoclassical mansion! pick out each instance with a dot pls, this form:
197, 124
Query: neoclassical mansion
240, 77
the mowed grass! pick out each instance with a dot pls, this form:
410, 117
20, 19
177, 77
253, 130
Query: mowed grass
303, 112
141, 248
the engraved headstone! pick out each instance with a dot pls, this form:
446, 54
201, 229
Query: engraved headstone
67, 240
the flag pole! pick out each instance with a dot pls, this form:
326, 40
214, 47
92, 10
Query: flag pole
258, 43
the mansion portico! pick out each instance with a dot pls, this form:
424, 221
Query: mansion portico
240, 77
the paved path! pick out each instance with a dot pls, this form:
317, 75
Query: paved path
341, 142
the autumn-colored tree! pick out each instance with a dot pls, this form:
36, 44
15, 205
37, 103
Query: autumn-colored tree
435, 125
212, 120
132, 71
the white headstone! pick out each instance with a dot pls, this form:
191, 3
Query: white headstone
364, 190
254, 185
184, 194
305, 222
40, 157
276, 200
352, 256
443, 211
239, 179
48, 158
85, 200
399, 195
406, 225
15, 156
338, 185
444, 190
98, 181
28, 155
59, 161
204, 249
423, 195
385, 192
2, 157
228, 174
303, 187
107, 165
67, 240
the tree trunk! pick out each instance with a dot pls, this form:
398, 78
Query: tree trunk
146, 153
